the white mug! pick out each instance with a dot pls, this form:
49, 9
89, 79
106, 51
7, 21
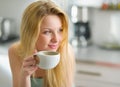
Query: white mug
48, 59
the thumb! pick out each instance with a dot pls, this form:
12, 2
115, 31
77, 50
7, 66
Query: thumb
35, 51
35, 57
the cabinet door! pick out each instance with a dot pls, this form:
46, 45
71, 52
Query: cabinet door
88, 75
88, 3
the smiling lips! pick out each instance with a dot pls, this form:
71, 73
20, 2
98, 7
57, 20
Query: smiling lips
53, 46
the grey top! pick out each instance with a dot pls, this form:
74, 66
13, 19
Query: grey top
36, 82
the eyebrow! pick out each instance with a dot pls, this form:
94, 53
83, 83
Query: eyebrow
52, 28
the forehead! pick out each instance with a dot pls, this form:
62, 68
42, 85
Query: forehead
51, 19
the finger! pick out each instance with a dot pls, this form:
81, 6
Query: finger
35, 51
32, 56
30, 70
36, 59
29, 59
29, 67
29, 63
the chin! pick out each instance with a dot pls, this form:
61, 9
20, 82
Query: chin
53, 49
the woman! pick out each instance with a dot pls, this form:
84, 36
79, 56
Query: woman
44, 26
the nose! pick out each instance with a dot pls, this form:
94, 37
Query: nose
55, 38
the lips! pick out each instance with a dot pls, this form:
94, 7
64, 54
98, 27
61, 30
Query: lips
53, 46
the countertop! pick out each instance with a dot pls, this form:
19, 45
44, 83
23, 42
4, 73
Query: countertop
90, 53
97, 67
93, 53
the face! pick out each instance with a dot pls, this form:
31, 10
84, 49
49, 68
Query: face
50, 35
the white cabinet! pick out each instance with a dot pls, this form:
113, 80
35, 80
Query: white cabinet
88, 3
92, 75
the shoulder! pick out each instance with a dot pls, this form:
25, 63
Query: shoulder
15, 62
13, 55
12, 49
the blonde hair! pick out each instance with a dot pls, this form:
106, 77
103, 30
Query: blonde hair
62, 75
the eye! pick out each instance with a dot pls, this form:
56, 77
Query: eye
47, 32
61, 30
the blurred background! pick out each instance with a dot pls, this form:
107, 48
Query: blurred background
94, 33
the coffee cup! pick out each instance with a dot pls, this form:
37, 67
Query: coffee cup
47, 59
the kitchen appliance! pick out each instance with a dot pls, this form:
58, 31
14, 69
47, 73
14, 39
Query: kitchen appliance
7, 29
82, 33
79, 17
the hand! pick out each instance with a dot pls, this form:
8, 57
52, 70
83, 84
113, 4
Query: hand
29, 66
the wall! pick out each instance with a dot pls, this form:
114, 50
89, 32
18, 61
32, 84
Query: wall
13, 9
105, 26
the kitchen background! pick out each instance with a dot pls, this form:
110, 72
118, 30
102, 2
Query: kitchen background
94, 33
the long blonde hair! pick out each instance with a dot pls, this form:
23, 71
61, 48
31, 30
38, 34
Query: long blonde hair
62, 75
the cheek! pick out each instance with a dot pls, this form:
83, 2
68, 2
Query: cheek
41, 43
60, 38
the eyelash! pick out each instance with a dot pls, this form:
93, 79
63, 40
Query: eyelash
50, 32
47, 32
61, 30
